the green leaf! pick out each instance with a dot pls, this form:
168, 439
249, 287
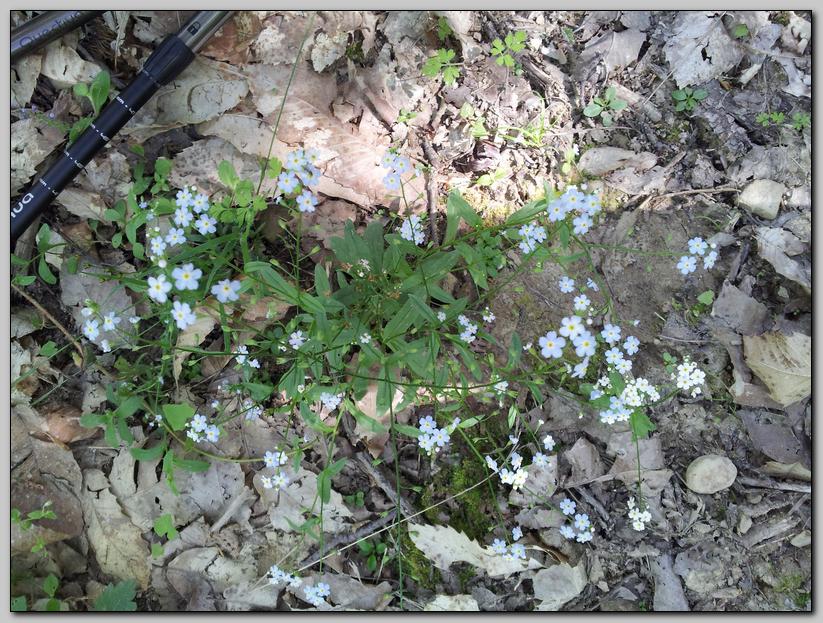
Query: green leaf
178, 415
321, 281
281, 287
45, 272
164, 526
162, 168
157, 550
679, 95
641, 424
117, 598
606, 118
405, 429
99, 91
191, 465
618, 384
700, 94
706, 297
148, 454
450, 75
740, 31
593, 109
680, 106
227, 175
50, 584
18, 604
80, 90
259, 392
618, 104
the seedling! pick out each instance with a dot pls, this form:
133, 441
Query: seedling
605, 106
441, 63
511, 44
688, 98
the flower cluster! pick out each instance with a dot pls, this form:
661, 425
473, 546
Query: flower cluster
251, 409
316, 594
689, 377
243, 358
516, 476
469, 332
532, 234
199, 429
98, 322
299, 174
698, 248
637, 393
638, 518
575, 200
278, 576
431, 438
581, 528
411, 229
275, 461
398, 166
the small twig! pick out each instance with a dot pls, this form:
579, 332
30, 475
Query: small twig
235, 503
431, 186
778, 486
692, 191
384, 484
594, 503
346, 539
54, 321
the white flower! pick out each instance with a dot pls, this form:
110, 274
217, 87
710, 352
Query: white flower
186, 277
331, 401
613, 355
687, 264
518, 550
551, 345
582, 224
412, 230
624, 366
110, 321
592, 285
709, 260
266, 482
287, 182
212, 433
571, 327
175, 236
631, 345
183, 315
306, 201
279, 480
104, 344
581, 521
548, 442
392, 181
517, 533
183, 217
198, 423
87, 312
226, 290
440, 436
388, 160
157, 245
567, 506
611, 333
566, 285
275, 459
501, 386
365, 338
697, 246
488, 316
158, 286
183, 198
441, 316
491, 463
581, 302
584, 537
205, 224
539, 459
567, 531
499, 546
134, 319
585, 345
200, 203
297, 339
580, 369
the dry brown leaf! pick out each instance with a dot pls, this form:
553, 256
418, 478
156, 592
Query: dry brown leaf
203, 91
783, 363
775, 245
232, 43
24, 74
64, 66
83, 203
31, 141
444, 545
699, 48
194, 334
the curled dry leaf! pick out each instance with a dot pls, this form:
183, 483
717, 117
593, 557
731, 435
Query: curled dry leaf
775, 245
31, 141
444, 545
558, 585
64, 67
24, 75
783, 363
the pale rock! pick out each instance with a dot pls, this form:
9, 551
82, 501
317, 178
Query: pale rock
762, 197
710, 473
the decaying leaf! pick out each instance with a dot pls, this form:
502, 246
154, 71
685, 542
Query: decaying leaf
193, 335
791, 470
558, 585
117, 543
783, 363
31, 141
699, 48
64, 66
290, 507
24, 75
203, 91
452, 603
775, 245
444, 545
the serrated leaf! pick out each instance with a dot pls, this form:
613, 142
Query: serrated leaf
117, 598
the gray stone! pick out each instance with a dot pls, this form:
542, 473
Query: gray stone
710, 473
763, 197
